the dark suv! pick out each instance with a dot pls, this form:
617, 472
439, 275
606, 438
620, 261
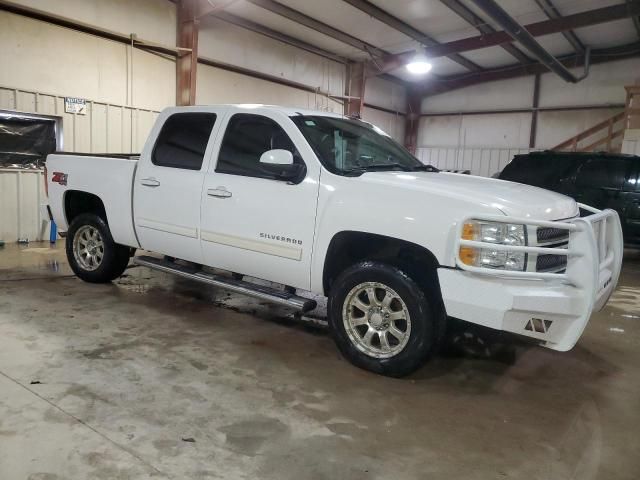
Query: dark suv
602, 180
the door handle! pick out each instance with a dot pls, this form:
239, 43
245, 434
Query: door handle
219, 192
150, 182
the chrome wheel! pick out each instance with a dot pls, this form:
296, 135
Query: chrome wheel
376, 320
88, 247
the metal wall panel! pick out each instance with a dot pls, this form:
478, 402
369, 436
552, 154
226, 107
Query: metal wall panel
21, 193
105, 128
484, 162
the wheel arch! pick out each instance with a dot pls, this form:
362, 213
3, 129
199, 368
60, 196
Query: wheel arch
350, 247
77, 202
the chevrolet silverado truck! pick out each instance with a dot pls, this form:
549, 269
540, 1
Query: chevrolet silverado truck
318, 202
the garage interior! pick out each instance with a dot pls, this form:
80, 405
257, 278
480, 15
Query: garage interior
154, 376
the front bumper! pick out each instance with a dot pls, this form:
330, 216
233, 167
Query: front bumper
551, 307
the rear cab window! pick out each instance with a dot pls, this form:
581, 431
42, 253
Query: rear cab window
183, 140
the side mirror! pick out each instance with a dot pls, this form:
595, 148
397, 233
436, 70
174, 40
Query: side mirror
279, 164
277, 157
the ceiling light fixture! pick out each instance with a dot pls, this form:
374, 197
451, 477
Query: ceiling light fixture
419, 64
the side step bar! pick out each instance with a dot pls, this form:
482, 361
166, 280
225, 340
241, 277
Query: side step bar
239, 286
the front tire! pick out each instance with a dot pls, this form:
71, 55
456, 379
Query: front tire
381, 319
92, 254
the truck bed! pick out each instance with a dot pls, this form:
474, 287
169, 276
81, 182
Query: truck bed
106, 176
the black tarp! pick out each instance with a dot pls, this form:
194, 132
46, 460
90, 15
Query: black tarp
25, 142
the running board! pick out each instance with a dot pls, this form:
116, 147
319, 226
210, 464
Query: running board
238, 286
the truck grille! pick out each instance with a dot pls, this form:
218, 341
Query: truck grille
550, 235
553, 238
551, 263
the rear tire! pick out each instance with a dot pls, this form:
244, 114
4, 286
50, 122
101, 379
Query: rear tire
92, 254
381, 320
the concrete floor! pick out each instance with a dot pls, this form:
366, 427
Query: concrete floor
156, 377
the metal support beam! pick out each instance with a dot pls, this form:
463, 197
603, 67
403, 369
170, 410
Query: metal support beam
534, 114
356, 81
552, 12
397, 24
604, 55
412, 120
518, 32
470, 17
301, 18
187, 61
537, 29
509, 111
281, 37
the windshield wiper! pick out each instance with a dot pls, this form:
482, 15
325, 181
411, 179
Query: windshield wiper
379, 166
424, 168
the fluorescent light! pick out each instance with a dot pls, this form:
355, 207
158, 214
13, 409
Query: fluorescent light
419, 67
419, 64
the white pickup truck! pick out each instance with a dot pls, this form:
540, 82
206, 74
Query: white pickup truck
318, 202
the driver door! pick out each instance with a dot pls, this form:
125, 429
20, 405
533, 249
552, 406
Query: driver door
252, 222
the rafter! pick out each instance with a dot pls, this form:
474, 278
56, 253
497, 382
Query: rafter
316, 25
507, 22
411, 32
454, 82
552, 12
276, 35
470, 17
537, 29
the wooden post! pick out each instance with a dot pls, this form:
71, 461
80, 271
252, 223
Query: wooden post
187, 61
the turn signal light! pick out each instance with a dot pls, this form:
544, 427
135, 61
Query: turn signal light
469, 255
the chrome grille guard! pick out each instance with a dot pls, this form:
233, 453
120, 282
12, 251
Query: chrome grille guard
594, 252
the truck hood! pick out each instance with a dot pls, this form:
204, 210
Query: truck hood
513, 199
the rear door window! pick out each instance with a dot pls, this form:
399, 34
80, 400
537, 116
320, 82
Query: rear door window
539, 171
183, 140
609, 173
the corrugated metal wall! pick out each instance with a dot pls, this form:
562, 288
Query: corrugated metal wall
21, 193
484, 161
105, 128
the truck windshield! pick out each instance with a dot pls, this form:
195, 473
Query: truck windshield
351, 147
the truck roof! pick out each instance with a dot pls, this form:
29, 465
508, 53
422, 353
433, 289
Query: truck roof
574, 155
289, 111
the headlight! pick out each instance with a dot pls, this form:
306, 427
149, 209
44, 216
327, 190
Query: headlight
496, 233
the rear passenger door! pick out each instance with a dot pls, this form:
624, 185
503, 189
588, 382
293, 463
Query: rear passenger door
168, 184
631, 218
603, 182
253, 223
